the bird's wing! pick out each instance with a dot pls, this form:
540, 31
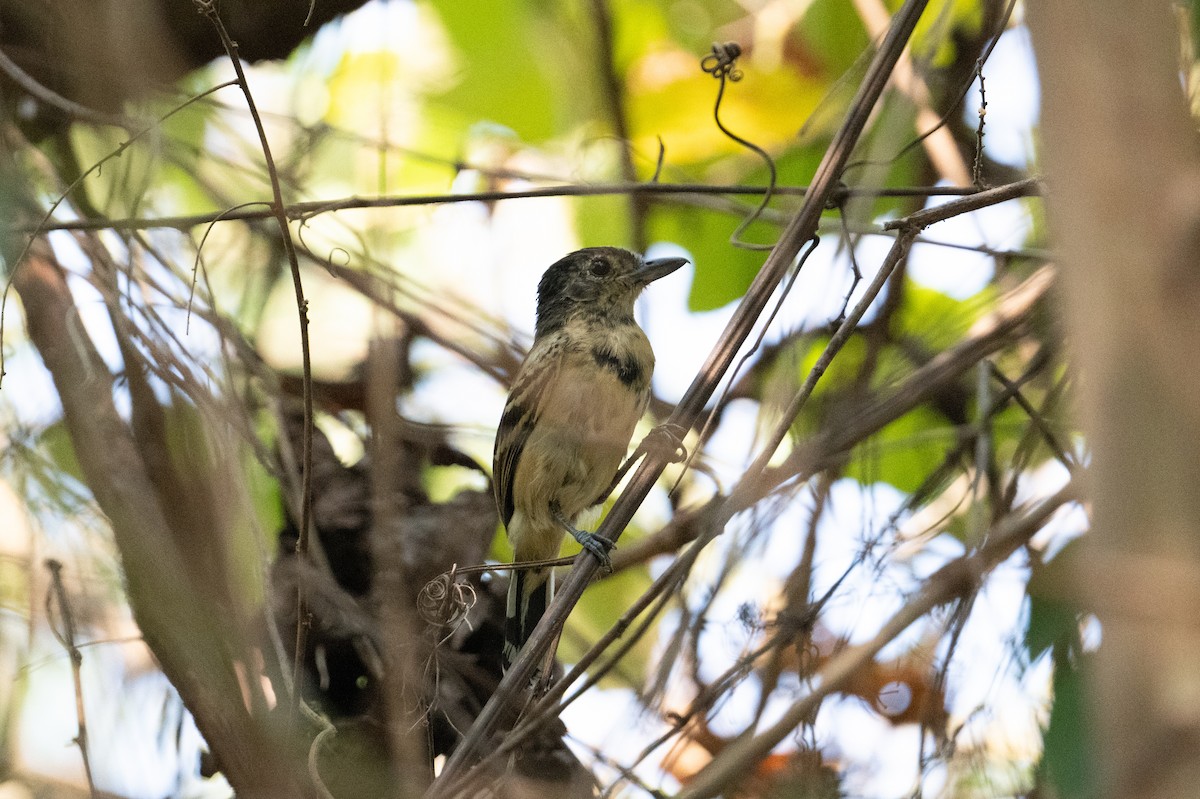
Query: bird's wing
518, 420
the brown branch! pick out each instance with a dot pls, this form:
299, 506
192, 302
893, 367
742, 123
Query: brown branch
178, 625
68, 639
53, 99
209, 10
304, 210
799, 231
957, 578
411, 764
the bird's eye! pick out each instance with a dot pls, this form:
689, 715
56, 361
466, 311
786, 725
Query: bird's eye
601, 268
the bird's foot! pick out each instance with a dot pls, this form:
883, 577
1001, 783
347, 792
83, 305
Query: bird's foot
666, 440
598, 545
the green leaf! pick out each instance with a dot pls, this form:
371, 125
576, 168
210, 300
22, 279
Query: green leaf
935, 319
602, 221
61, 450
833, 36
1068, 762
506, 54
905, 452
1053, 621
723, 272
602, 605
933, 39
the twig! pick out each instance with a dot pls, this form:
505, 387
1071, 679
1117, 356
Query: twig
55, 100
957, 578
67, 639
304, 210
43, 226
977, 166
799, 231
209, 10
977, 200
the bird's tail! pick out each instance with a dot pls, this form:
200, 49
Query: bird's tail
529, 593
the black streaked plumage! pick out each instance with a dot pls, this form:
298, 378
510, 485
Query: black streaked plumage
570, 415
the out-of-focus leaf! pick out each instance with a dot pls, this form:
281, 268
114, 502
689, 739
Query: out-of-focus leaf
834, 36
602, 221
184, 130
507, 59
672, 98
263, 519
723, 272
121, 184
361, 83
932, 39
1067, 758
935, 319
1049, 622
905, 452
1053, 621
56, 442
602, 604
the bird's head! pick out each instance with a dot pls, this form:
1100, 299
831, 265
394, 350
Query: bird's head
602, 281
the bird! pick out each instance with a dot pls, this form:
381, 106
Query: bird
569, 417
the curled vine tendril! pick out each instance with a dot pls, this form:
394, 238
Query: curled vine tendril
444, 601
721, 63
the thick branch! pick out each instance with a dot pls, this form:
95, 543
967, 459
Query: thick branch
176, 623
1121, 153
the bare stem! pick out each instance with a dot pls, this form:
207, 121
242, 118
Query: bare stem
208, 8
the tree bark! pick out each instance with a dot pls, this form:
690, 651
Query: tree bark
1124, 208
182, 629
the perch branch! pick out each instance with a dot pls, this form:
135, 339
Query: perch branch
801, 229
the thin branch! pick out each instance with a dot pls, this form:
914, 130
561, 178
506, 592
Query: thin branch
957, 578
800, 230
67, 638
305, 210
209, 10
55, 100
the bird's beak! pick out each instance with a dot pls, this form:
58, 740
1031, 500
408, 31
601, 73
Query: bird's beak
650, 271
